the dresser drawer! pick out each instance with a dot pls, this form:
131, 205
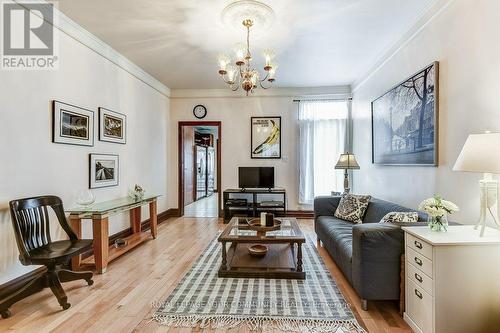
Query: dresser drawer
422, 263
421, 280
419, 245
419, 307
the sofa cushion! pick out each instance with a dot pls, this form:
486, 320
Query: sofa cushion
379, 208
336, 235
400, 217
352, 207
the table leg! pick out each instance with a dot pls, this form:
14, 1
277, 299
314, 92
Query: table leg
101, 243
153, 218
76, 225
224, 256
135, 219
299, 257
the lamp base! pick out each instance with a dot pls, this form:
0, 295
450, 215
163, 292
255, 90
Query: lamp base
489, 194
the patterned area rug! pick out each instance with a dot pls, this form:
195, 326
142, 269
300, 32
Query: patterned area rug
312, 305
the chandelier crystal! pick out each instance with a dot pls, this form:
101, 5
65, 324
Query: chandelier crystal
240, 73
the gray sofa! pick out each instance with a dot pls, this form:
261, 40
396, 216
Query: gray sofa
368, 254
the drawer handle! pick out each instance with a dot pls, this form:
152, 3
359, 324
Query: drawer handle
419, 294
419, 278
418, 261
418, 245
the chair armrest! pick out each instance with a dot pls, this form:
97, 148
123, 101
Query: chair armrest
376, 260
325, 206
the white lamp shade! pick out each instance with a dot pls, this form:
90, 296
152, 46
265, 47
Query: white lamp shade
481, 153
347, 161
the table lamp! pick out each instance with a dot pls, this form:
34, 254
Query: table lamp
347, 161
480, 153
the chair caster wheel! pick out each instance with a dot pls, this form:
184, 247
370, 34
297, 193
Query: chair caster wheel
66, 306
90, 282
6, 314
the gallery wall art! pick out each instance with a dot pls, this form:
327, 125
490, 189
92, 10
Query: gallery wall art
112, 126
405, 121
266, 137
72, 124
104, 170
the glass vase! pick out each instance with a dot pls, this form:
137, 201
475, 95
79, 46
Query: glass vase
438, 223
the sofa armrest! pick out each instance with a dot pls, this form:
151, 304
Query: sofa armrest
325, 206
376, 260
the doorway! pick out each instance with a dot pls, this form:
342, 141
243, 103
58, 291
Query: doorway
199, 168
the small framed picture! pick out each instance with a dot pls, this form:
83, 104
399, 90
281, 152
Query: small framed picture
266, 137
112, 126
72, 125
104, 170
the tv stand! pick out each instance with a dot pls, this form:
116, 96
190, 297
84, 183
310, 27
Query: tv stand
252, 205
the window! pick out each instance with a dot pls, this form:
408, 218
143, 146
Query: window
322, 138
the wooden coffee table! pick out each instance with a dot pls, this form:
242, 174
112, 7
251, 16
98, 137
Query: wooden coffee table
282, 261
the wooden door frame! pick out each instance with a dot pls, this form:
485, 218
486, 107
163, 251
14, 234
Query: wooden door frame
180, 160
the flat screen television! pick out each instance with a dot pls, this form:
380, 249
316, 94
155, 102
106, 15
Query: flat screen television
256, 177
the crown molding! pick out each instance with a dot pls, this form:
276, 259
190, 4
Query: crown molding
426, 18
66, 25
337, 91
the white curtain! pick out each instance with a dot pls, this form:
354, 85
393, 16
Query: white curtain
322, 138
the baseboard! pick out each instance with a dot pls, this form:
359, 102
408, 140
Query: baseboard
300, 214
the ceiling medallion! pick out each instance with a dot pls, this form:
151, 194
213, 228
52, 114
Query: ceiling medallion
241, 73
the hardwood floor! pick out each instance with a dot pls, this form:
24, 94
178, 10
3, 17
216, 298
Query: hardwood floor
206, 207
122, 300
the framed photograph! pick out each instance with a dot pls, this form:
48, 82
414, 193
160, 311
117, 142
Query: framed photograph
112, 126
405, 121
104, 170
72, 125
265, 137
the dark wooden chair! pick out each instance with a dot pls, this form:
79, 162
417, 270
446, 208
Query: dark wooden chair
30, 218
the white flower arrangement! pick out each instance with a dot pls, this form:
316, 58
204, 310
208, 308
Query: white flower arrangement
437, 207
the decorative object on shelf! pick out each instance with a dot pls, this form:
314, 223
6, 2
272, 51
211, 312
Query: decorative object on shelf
257, 250
405, 121
248, 13
112, 126
266, 137
480, 154
438, 209
347, 161
85, 198
104, 170
200, 111
72, 125
137, 193
120, 242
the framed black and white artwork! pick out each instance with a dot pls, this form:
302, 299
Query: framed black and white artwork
405, 121
112, 126
265, 137
72, 125
104, 170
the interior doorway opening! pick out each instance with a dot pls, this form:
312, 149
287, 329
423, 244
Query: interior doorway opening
199, 168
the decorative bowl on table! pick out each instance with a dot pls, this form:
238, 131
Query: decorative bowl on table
254, 224
257, 250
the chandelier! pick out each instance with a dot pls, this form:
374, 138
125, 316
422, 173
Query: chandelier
241, 73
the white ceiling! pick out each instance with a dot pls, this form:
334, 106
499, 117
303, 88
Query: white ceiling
318, 42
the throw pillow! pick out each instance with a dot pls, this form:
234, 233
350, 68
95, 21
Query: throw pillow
400, 217
352, 207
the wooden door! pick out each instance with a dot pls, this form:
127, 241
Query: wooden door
189, 164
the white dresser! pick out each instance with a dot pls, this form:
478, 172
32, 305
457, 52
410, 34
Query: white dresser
452, 280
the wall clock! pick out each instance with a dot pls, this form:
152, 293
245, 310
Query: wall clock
200, 111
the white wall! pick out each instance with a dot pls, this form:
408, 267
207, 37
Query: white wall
234, 112
463, 37
32, 165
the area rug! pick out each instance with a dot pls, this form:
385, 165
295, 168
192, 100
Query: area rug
201, 299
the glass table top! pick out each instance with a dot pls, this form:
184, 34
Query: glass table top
240, 229
110, 205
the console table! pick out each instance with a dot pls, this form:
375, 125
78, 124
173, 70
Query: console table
99, 214
254, 207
